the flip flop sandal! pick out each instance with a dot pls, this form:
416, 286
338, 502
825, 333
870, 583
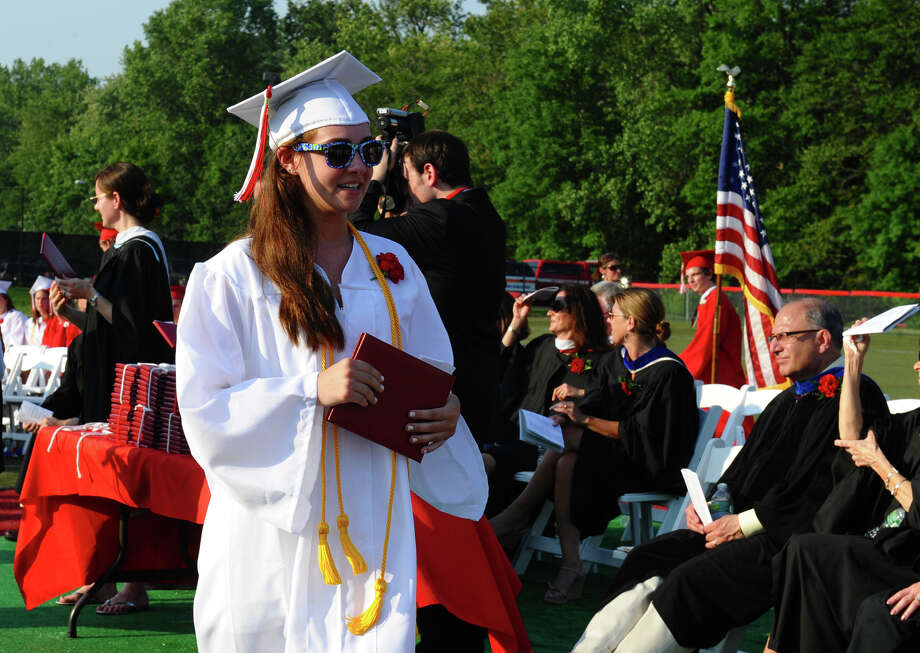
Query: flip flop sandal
121, 607
72, 598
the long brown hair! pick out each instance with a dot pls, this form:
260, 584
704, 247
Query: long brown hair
283, 238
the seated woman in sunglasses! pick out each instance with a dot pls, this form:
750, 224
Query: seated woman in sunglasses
858, 593
634, 429
567, 356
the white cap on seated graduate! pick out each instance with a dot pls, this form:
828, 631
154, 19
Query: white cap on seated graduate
317, 97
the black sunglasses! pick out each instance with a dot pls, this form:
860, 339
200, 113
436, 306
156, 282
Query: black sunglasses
560, 304
613, 268
340, 153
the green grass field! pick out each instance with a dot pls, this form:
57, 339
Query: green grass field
552, 629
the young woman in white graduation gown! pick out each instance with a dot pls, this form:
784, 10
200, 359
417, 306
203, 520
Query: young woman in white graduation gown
258, 320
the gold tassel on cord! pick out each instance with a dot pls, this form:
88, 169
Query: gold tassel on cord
326, 563
355, 559
367, 619
358, 566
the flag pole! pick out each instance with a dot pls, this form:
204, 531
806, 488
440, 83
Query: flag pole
715, 329
729, 103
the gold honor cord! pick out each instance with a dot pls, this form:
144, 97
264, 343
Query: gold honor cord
360, 624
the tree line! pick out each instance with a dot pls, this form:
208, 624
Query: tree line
595, 124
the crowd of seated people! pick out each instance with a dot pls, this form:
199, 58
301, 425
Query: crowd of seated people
824, 528
632, 428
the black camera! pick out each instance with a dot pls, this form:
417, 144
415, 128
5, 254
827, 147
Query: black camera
403, 126
400, 124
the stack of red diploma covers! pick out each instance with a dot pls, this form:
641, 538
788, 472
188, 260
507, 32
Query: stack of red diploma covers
408, 383
145, 411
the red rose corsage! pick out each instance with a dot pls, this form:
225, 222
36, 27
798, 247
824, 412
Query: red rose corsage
628, 386
390, 266
579, 365
828, 385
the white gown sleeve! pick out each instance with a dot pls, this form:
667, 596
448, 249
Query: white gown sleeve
451, 478
250, 431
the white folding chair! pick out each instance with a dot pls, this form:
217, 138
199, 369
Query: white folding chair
45, 373
896, 406
756, 400
731, 400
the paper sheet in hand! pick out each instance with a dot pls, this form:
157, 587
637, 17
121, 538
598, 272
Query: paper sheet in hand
695, 492
540, 430
29, 412
408, 383
55, 259
543, 293
884, 322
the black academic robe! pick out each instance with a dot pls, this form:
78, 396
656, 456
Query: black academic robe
784, 473
821, 580
658, 419
134, 279
542, 368
67, 400
529, 380
459, 245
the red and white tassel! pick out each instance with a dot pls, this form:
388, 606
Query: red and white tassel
683, 278
255, 167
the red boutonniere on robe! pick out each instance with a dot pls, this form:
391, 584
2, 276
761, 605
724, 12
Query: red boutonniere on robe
391, 267
828, 385
628, 386
579, 365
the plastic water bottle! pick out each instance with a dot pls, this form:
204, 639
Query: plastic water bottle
892, 520
720, 504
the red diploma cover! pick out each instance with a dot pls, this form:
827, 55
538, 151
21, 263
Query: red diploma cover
167, 330
55, 259
409, 383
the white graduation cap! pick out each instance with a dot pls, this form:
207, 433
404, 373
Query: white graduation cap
41, 283
317, 97
4, 287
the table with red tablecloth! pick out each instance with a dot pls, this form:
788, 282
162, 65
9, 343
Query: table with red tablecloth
79, 483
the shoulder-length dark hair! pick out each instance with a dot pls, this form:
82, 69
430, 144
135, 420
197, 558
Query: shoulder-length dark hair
132, 187
283, 239
589, 318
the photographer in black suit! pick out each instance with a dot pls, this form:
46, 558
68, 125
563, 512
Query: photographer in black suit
457, 238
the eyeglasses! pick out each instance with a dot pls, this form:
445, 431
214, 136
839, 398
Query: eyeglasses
612, 314
560, 304
785, 336
612, 267
340, 153
96, 198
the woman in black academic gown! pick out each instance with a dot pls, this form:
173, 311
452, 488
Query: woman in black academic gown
130, 291
834, 592
634, 428
566, 357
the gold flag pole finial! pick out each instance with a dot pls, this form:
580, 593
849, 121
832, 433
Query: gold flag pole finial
732, 72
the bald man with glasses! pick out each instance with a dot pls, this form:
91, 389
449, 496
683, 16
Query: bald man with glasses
686, 589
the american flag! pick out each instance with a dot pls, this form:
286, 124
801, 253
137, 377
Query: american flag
743, 252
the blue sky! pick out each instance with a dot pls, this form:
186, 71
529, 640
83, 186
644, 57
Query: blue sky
94, 31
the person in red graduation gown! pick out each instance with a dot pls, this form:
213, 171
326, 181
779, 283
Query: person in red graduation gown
698, 266
59, 332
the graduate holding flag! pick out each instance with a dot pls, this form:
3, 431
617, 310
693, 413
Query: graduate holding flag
697, 267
